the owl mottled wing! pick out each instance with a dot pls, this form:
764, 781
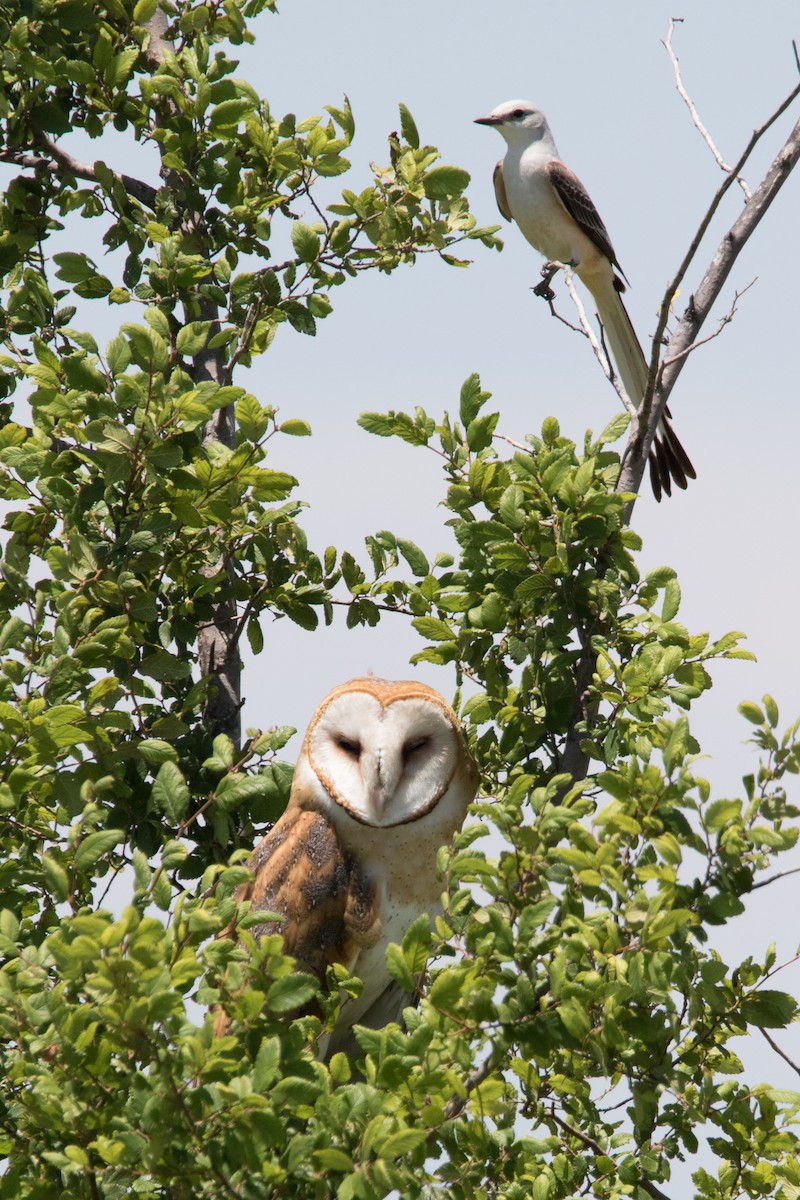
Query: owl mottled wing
500, 191
579, 205
329, 907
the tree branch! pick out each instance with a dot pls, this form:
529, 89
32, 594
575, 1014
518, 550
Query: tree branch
217, 640
663, 377
781, 1053
684, 95
56, 159
456, 1104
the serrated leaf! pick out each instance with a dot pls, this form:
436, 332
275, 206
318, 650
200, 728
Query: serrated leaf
170, 793
414, 557
480, 431
118, 356
56, 878
192, 338
155, 751
433, 629
399, 969
402, 1142
444, 182
614, 429
295, 428
672, 599
574, 1018
291, 992
266, 1065
229, 113
332, 1159
97, 844
408, 128
471, 399
768, 1009
305, 241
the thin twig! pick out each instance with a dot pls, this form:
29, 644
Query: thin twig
517, 445
662, 378
723, 321
684, 95
781, 1053
456, 1104
579, 1135
672, 288
774, 878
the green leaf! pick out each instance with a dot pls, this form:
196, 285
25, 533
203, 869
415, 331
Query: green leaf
155, 751
120, 68
414, 557
291, 992
118, 356
433, 629
408, 128
574, 1018
771, 709
295, 428
56, 878
305, 241
444, 182
192, 338
170, 793
228, 114
399, 969
752, 713
402, 1142
144, 10
480, 431
672, 599
472, 398
96, 845
267, 1063
73, 267
331, 1159
769, 1009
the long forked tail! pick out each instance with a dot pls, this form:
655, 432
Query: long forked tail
669, 462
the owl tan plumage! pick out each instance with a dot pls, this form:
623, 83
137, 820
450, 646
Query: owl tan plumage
383, 780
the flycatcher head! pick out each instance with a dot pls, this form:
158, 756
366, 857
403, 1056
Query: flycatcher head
517, 120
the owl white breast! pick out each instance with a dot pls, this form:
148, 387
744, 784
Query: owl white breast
383, 780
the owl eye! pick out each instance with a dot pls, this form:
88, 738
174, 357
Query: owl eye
413, 745
350, 747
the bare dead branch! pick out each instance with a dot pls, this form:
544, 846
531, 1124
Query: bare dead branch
640, 439
684, 95
724, 321
663, 377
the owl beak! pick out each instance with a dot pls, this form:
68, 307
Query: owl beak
383, 786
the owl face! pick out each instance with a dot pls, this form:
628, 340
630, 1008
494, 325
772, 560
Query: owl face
385, 754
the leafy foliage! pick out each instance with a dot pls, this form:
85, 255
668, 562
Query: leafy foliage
575, 1033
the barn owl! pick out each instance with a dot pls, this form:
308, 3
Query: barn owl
383, 780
